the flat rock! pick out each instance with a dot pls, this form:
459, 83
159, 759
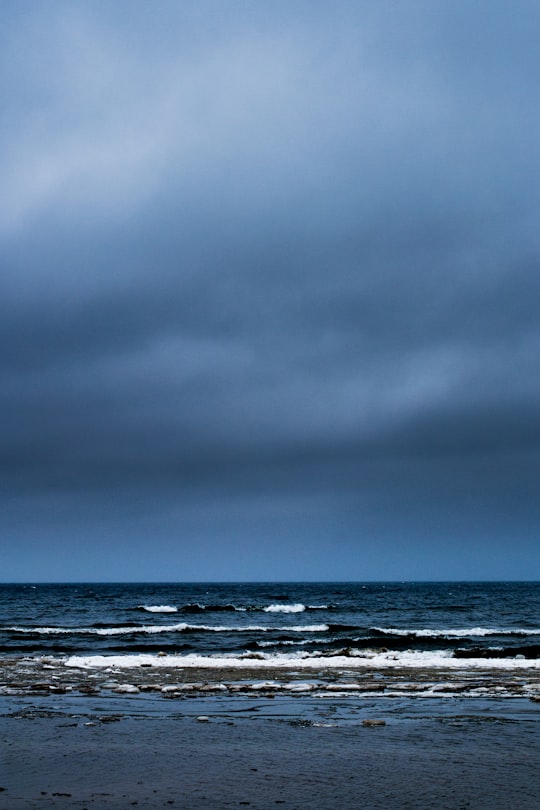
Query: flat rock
126, 688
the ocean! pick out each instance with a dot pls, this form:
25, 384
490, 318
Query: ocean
304, 694
459, 630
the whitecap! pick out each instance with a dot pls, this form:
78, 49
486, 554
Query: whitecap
103, 631
296, 608
167, 628
460, 632
158, 608
306, 628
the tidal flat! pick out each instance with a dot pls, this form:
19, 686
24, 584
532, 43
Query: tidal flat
303, 750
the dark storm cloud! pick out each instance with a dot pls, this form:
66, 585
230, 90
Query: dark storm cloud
250, 250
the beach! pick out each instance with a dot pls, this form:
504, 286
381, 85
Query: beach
304, 695
228, 751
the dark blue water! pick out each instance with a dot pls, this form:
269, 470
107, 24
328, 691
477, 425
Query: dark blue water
461, 620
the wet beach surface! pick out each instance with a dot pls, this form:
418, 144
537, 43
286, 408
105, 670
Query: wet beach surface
307, 750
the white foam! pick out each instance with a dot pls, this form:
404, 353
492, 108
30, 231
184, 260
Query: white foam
301, 660
167, 628
460, 632
103, 631
159, 608
297, 608
291, 643
306, 628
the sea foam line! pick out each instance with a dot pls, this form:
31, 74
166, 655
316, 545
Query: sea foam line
300, 660
462, 632
182, 627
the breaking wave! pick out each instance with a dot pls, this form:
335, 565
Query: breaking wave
297, 608
182, 627
467, 632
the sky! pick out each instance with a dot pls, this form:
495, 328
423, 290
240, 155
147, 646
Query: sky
269, 290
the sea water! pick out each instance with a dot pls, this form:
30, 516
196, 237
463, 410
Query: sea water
493, 621
461, 627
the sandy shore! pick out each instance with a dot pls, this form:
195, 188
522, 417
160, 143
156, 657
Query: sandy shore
264, 753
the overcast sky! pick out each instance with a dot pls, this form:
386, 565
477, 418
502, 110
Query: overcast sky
269, 290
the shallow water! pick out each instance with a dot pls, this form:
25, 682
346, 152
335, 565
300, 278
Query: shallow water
299, 752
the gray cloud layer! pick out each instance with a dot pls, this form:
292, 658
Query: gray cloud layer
271, 254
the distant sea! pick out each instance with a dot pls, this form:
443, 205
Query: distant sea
376, 626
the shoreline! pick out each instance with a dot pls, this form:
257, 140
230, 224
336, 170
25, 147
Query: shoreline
168, 677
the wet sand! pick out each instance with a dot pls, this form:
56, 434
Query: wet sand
267, 753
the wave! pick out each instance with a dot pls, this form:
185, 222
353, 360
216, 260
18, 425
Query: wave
195, 607
466, 632
304, 660
182, 627
296, 608
292, 608
531, 651
100, 631
339, 627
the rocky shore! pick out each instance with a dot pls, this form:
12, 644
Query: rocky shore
117, 737
19, 676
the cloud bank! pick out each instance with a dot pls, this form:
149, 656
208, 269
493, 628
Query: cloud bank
269, 297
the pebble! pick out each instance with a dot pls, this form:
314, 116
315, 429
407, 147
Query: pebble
214, 687
343, 687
